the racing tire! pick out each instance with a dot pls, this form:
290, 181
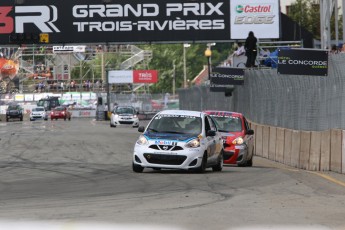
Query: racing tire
250, 162
202, 167
69, 118
112, 126
21, 118
219, 166
137, 168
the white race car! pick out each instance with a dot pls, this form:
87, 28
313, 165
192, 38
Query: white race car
179, 139
124, 115
38, 113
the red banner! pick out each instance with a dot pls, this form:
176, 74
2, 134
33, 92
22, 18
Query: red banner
145, 76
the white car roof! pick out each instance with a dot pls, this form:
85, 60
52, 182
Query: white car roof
182, 112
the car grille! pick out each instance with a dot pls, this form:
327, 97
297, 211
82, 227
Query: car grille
126, 122
164, 159
166, 147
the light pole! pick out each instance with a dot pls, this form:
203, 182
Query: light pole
208, 54
185, 45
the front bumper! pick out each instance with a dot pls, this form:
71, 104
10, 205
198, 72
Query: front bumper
131, 121
237, 154
185, 158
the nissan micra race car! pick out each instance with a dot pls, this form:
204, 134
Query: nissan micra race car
179, 139
237, 136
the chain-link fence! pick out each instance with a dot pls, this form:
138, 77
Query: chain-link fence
291, 101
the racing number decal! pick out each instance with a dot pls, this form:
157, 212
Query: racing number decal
6, 22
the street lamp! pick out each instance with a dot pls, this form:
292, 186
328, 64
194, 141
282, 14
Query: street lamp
185, 45
208, 54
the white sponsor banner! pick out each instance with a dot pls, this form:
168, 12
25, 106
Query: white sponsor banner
69, 49
261, 17
120, 76
28, 97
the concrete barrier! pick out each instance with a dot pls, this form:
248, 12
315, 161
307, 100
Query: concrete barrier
305, 150
258, 140
325, 157
272, 143
295, 148
315, 151
265, 141
343, 153
309, 150
287, 146
253, 127
280, 145
336, 146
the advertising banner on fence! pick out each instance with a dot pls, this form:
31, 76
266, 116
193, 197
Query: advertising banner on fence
261, 17
93, 21
132, 76
303, 62
227, 76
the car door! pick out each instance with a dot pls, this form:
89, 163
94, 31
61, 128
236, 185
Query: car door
211, 141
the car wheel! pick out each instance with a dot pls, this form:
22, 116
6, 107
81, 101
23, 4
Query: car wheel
21, 119
137, 168
65, 118
202, 167
219, 166
55, 119
112, 126
6, 119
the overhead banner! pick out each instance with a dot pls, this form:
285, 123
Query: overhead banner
227, 76
303, 62
261, 17
132, 76
94, 21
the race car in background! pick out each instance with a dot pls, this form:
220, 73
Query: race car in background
237, 136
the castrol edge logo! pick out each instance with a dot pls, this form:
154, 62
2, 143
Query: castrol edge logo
254, 14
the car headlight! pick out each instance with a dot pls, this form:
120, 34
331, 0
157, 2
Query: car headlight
116, 116
142, 140
238, 141
195, 143
135, 116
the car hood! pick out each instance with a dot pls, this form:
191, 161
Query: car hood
169, 136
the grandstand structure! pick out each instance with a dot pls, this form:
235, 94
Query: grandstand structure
79, 68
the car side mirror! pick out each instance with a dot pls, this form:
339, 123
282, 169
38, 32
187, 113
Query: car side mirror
211, 133
250, 132
141, 129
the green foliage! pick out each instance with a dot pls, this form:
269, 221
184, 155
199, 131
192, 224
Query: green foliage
307, 14
167, 55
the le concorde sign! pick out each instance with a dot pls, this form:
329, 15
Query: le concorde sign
303, 62
92, 21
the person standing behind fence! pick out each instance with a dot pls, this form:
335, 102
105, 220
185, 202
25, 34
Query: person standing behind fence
251, 50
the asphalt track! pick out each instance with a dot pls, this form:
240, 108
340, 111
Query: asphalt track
77, 175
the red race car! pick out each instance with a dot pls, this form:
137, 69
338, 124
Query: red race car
237, 136
60, 112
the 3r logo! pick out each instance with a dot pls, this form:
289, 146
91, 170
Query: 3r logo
41, 16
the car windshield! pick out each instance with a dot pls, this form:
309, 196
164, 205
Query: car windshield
124, 110
13, 107
59, 108
37, 109
176, 124
228, 124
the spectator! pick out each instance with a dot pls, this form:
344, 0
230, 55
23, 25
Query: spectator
251, 50
334, 49
240, 49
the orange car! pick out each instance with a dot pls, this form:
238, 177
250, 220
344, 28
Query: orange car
60, 112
